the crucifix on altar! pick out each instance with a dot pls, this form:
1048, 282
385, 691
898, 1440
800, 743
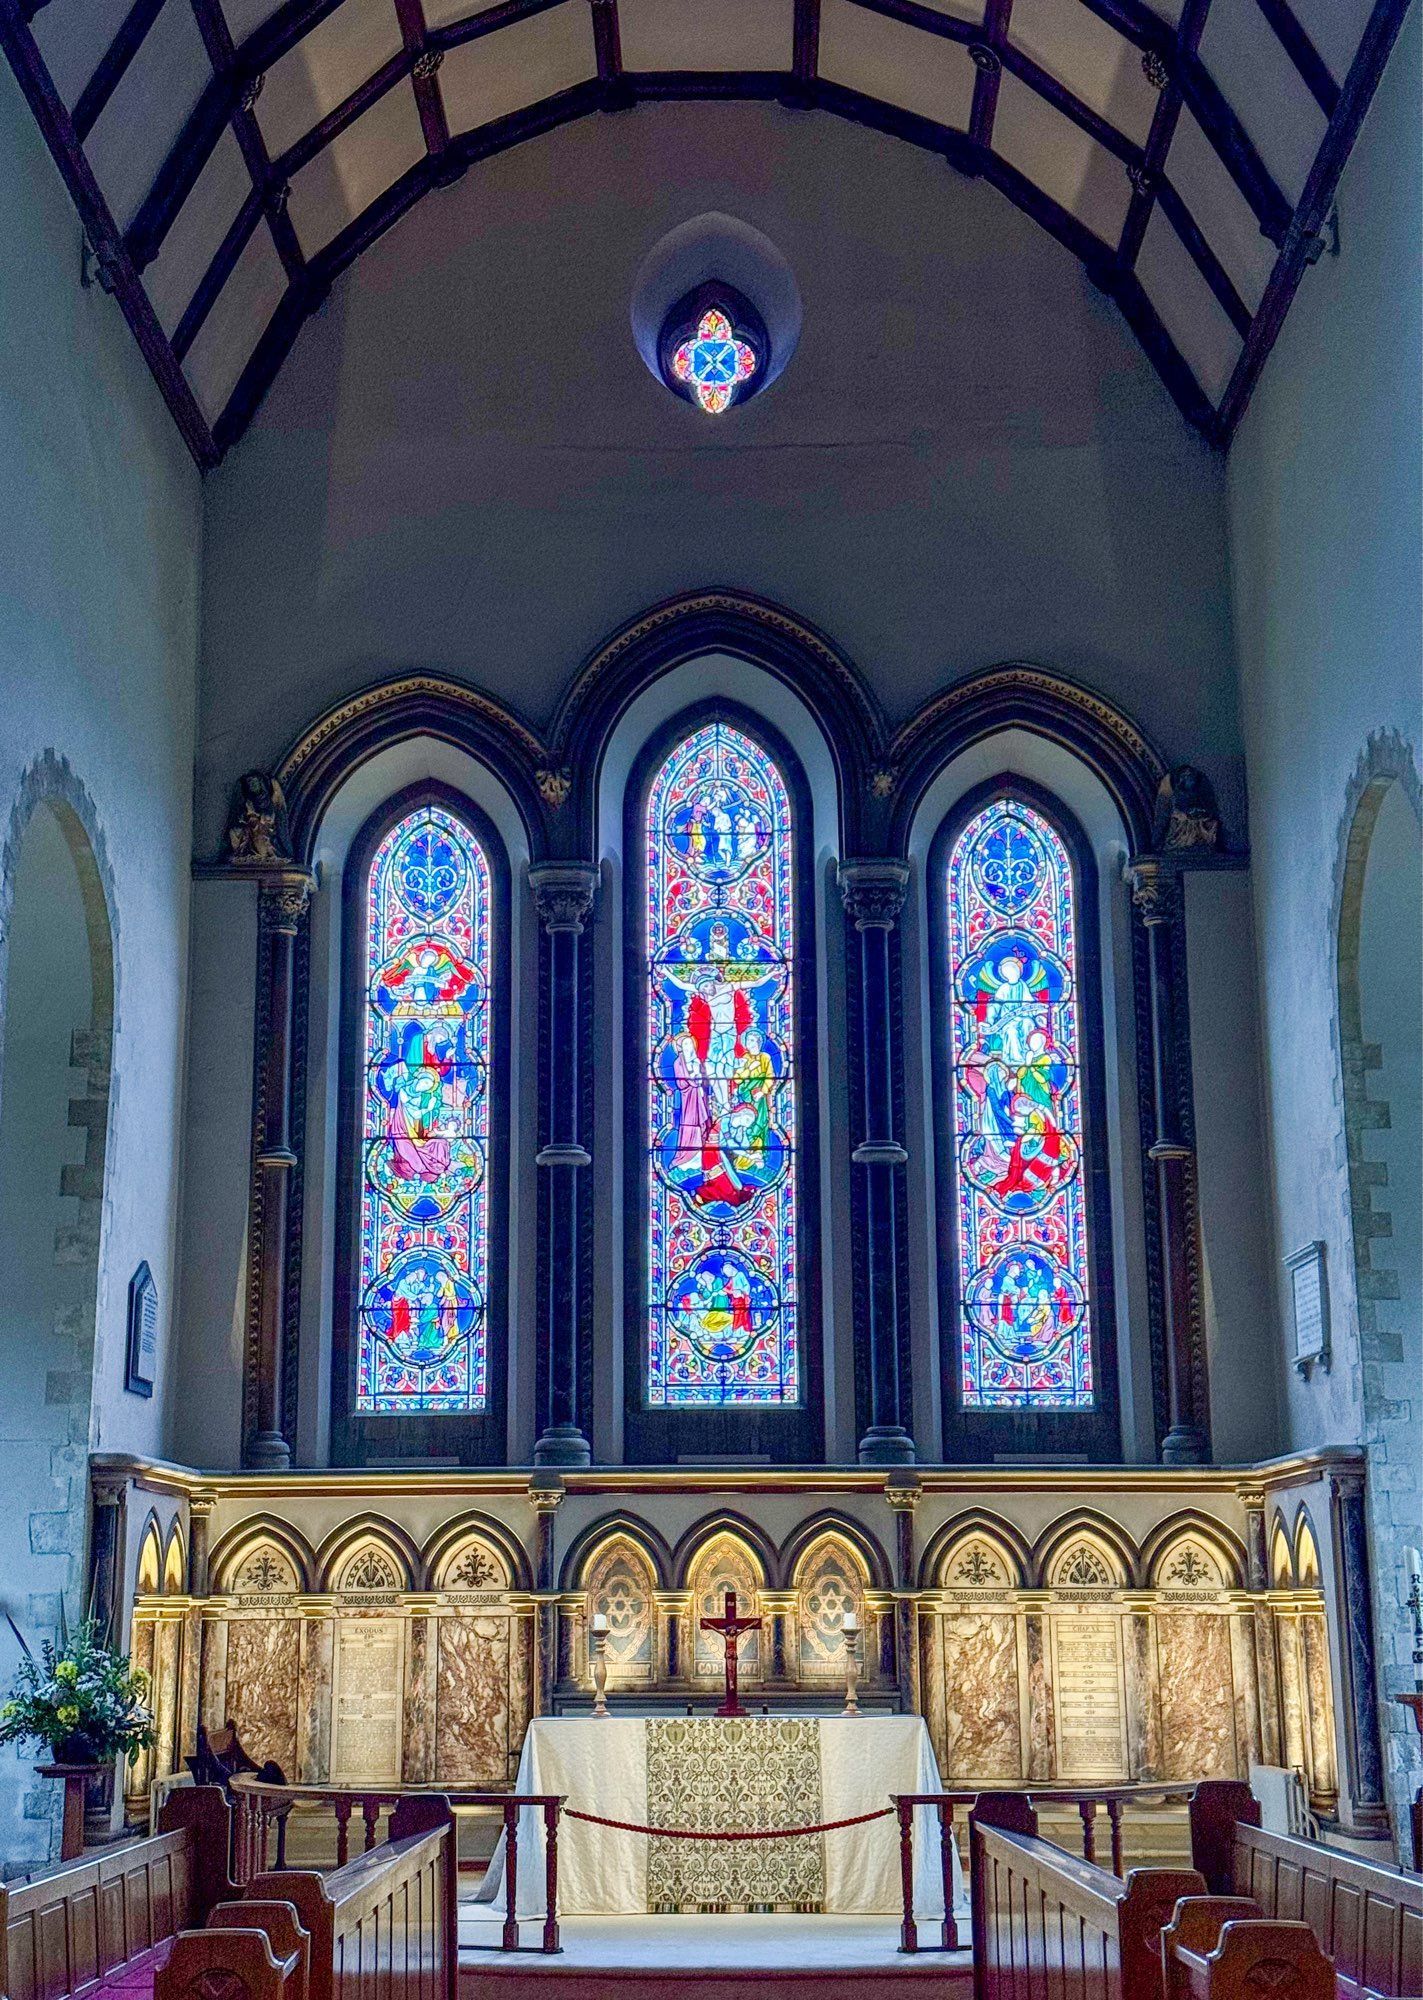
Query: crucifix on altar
732, 1630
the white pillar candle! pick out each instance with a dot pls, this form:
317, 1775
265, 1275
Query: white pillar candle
849, 1623
600, 1621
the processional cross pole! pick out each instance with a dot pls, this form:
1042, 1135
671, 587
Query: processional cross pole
732, 1630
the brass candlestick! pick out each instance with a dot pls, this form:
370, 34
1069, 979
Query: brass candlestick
600, 1663
850, 1626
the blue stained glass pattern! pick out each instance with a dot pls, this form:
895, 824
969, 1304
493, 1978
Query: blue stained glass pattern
424, 1247
720, 1110
1021, 1214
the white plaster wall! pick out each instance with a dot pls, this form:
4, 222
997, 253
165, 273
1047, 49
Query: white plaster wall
1326, 550
464, 465
99, 537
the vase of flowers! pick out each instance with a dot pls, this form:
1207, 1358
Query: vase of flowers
80, 1698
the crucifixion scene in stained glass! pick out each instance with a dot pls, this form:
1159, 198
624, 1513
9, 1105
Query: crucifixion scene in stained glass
1021, 1219
424, 1228
720, 1109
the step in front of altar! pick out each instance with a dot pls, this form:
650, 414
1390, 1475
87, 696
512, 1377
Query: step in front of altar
730, 1958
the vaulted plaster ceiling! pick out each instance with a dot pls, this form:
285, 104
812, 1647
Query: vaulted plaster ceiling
230, 157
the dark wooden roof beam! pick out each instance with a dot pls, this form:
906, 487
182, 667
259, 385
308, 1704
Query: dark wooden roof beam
988, 56
108, 75
1302, 53
424, 63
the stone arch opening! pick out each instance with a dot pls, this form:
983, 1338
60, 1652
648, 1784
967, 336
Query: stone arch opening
1380, 973
57, 1020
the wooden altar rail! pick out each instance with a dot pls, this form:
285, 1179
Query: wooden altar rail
1214, 1808
1046, 1923
264, 1808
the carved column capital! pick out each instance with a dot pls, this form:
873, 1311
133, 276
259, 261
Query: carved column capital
873, 892
902, 1496
563, 893
546, 1495
284, 900
1155, 888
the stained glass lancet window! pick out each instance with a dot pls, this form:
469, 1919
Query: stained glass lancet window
1023, 1330
721, 1298
424, 1226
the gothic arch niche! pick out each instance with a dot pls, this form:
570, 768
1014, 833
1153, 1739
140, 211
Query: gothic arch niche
332, 810
56, 1041
1282, 1562
973, 1659
1380, 1000
1085, 1558
1037, 764
619, 1581
726, 1562
472, 1563
830, 1579
175, 1564
148, 1580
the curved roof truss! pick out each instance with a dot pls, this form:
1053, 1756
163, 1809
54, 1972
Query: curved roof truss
229, 158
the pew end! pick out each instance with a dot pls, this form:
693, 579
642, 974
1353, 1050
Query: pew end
1254, 1955
237, 1964
284, 1932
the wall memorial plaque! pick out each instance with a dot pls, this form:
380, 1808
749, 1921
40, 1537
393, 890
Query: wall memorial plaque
141, 1352
1090, 1700
366, 1695
1309, 1297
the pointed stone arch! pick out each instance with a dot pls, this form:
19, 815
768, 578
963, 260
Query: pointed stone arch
655, 1550
148, 1569
1085, 1551
762, 1550
1282, 1557
175, 1563
1190, 1551
1308, 1572
726, 1559
831, 1576
619, 1582
996, 1553
473, 1534
247, 1542
370, 1555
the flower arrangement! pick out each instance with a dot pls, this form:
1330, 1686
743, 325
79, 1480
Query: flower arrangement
82, 1698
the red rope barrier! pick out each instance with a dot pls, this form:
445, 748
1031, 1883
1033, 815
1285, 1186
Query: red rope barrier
685, 1833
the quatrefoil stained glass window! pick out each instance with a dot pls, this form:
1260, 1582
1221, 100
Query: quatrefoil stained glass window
713, 349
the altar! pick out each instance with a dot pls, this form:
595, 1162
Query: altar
727, 1775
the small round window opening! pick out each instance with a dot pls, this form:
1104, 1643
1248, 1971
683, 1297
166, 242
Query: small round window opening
713, 349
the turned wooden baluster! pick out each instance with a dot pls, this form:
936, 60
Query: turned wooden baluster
1114, 1815
370, 1813
1088, 1810
343, 1832
511, 1877
908, 1929
551, 1810
950, 1934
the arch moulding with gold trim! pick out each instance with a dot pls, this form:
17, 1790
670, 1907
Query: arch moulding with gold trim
232, 1544
621, 1525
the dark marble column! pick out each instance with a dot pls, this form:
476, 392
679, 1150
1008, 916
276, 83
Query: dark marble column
873, 893
1156, 890
545, 1497
199, 1525
563, 892
1252, 1499
902, 1494
283, 900
1362, 1744
104, 1606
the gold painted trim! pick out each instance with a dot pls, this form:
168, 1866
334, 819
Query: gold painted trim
383, 694
158, 1476
1038, 681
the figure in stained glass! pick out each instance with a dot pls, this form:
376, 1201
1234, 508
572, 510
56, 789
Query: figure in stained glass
424, 1207
1025, 1337
721, 1107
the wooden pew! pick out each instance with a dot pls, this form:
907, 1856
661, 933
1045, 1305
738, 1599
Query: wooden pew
394, 1908
1208, 1954
239, 1964
88, 1924
1366, 1919
285, 1935
1046, 1922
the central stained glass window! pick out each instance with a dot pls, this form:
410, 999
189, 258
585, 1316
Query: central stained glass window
424, 1245
1021, 1219
721, 1099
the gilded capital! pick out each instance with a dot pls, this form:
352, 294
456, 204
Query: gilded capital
873, 892
563, 893
284, 899
1154, 887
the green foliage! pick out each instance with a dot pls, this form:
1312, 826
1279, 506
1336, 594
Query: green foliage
84, 1688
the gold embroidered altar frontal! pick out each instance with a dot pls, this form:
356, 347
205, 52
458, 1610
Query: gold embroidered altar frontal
735, 1777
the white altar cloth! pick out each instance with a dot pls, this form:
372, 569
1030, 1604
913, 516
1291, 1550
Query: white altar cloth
600, 1766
